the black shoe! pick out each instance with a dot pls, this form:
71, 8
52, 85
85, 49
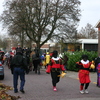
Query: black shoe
22, 91
39, 73
98, 86
15, 91
35, 72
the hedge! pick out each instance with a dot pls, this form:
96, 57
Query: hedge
76, 56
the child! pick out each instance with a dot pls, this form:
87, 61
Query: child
84, 77
55, 68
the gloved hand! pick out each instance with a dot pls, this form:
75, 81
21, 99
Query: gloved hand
62, 75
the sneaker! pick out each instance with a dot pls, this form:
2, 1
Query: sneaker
81, 91
55, 89
22, 91
86, 91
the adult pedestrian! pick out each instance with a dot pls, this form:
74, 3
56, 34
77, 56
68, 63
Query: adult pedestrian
36, 62
55, 67
19, 67
19, 48
97, 64
84, 77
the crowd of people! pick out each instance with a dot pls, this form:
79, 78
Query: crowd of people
21, 61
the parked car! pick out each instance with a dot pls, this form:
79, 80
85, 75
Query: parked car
1, 71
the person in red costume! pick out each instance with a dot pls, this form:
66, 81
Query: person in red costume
55, 67
84, 78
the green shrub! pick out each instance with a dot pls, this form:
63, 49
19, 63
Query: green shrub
76, 56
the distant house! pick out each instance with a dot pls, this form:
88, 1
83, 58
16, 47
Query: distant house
83, 44
45, 47
80, 44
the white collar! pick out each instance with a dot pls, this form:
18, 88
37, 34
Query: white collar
55, 58
84, 62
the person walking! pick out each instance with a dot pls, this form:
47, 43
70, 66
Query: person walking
19, 48
84, 77
97, 69
47, 59
36, 62
55, 67
18, 68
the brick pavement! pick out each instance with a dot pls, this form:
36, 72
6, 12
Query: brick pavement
39, 87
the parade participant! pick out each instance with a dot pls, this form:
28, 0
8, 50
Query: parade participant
47, 59
13, 50
83, 75
36, 62
97, 64
55, 67
18, 68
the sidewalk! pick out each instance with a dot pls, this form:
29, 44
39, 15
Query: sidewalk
39, 87
73, 74
93, 76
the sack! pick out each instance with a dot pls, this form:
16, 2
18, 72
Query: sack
92, 66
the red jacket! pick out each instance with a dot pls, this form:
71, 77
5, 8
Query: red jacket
55, 63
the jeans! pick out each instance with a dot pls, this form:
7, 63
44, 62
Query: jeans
18, 72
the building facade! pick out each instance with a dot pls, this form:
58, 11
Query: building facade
83, 44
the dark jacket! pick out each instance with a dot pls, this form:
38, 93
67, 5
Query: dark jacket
19, 49
36, 58
97, 61
19, 61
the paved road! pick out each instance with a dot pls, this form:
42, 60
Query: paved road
39, 87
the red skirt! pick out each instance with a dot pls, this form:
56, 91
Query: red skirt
84, 76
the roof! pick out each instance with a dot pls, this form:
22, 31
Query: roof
98, 24
45, 46
86, 41
90, 41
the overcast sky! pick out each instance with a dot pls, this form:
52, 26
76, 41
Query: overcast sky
90, 12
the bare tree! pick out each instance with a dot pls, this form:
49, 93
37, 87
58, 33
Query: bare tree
88, 32
41, 20
3, 42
